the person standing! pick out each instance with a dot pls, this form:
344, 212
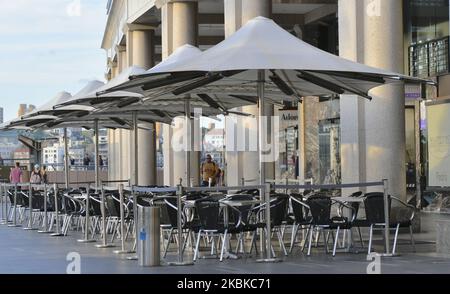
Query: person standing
209, 171
44, 175
86, 161
35, 177
15, 176
100, 161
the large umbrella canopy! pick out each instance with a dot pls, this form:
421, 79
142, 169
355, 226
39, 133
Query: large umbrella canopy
46, 113
293, 67
99, 97
111, 97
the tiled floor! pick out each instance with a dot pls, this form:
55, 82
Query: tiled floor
30, 252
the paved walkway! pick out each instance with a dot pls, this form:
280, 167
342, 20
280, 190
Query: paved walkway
30, 252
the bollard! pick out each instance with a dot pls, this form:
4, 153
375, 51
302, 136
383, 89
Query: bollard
58, 225
87, 216
14, 224
149, 251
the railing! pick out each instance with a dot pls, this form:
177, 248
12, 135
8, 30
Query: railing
429, 59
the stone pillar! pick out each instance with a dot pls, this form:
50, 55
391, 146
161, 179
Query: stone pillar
373, 142
351, 43
140, 49
179, 27
238, 13
385, 115
114, 162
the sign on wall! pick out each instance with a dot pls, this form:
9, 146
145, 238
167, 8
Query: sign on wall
438, 114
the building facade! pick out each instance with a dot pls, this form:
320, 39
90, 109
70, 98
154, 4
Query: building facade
332, 140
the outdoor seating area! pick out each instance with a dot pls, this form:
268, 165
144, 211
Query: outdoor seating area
219, 223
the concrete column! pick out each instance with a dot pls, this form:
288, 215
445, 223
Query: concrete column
373, 133
179, 27
351, 43
114, 141
252, 9
385, 116
140, 49
238, 13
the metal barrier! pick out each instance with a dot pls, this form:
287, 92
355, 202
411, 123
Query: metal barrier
3, 199
45, 229
122, 224
104, 232
14, 220
56, 208
87, 218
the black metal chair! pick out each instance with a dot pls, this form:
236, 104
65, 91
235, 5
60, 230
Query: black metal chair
171, 203
278, 216
321, 219
301, 219
375, 215
210, 226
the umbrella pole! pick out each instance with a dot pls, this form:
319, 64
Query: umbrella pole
266, 195
97, 171
135, 182
66, 159
187, 110
136, 142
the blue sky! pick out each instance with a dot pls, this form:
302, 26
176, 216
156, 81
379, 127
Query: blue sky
48, 46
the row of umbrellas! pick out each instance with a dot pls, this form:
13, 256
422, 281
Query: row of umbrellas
260, 63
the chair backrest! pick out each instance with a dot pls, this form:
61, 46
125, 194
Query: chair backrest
38, 200
297, 209
356, 205
95, 204
320, 206
278, 210
374, 206
112, 205
208, 213
172, 211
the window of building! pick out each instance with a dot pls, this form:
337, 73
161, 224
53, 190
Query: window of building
426, 25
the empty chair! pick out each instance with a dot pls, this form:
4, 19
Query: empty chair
375, 215
321, 220
301, 220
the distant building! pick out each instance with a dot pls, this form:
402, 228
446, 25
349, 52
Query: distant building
1, 115
22, 110
31, 108
214, 139
22, 155
53, 156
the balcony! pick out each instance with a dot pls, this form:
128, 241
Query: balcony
429, 59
